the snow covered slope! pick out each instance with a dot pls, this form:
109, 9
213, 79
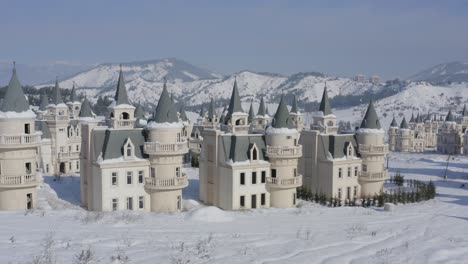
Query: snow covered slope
456, 71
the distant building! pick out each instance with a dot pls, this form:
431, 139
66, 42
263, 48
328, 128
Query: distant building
375, 79
360, 78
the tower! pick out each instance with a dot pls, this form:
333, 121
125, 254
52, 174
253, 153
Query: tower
166, 147
19, 143
122, 113
212, 119
236, 119
403, 137
392, 134
283, 152
370, 137
74, 104
262, 119
324, 120
297, 121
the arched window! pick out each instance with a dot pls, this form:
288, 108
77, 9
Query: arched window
254, 153
129, 149
124, 116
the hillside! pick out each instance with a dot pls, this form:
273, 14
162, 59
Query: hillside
456, 71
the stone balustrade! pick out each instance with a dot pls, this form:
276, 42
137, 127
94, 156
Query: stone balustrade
166, 148
293, 182
24, 139
167, 184
284, 151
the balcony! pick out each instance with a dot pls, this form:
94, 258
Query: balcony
284, 152
25, 180
127, 123
166, 184
15, 141
243, 129
373, 149
68, 155
157, 148
56, 118
284, 183
372, 176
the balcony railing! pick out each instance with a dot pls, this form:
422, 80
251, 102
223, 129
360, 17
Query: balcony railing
166, 148
130, 123
286, 151
372, 176
25, 139
69, 155
56, 117
284, 182
19, 180
371, 149
166, 184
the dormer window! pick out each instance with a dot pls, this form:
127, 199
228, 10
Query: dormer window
254, 153
350, 151
129, 149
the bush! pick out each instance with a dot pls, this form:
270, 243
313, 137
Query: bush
399, 179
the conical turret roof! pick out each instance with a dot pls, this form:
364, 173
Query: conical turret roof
165, 110
140, 112
56, 94
281, 118
251, 114
182, 113
235, 102
261, 108
44, 102
14, 99
294, 108
73, 96
202, 111
121, 92
464, 112
403, 124
325, 106
371, 120
394, 123
449, 117
211, 109
412, 118
86, 109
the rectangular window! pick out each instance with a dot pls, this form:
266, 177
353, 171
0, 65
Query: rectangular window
295, 172
242, 178
77, 148
69, 165
77, 165
356, 170
364, 167
273, 173
129, 177
153, 173
348, 193
69, 148
62, 149
254, 177
349, 171
115, 204
263, 176
339, 193
177, 172
140, 176
179, 202
294, 198
262, 199
141, 202
129, 203
340, 172
242, 201
355, 191
114, 178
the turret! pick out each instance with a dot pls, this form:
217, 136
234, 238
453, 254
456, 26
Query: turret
74, 103
166, 147
236, 119
297, 121
283, 152
262, 119
324, 120
122, 112
57, 109
392, 134
373, 150
212, 119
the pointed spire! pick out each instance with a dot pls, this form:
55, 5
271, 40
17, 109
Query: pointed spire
412, 118
281, 118
325, 106
165, 110
121, 92
251, 114
44, 101
464, 112
261, 108
235, 103
371, 120
403, 124
73, 97
394, 123
14, 99
140, 112
86, 109
294, 108
202, 111
449, 117
56, 94
182, 114
211, 109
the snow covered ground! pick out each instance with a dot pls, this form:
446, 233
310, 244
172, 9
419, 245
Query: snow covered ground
434, 231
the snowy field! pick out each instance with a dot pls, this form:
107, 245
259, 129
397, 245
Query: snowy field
434, 231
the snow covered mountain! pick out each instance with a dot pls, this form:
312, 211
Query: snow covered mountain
456, 71
193, 85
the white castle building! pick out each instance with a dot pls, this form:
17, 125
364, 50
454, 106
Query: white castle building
131, 165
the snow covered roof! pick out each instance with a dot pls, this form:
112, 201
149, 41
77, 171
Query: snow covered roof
14, 99
110, 142
237, 147
335, 146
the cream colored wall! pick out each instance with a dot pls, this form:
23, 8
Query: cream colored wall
16, 198
308, 162
208, 167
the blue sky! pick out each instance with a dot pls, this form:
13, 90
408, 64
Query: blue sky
390, 38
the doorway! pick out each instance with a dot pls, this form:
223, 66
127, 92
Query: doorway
62, 167
29, 201
27, 128
254, 201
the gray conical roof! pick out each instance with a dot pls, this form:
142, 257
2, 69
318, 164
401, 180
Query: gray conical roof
182, 113
412, 118
235, 103
281, 118
325, 106
56, 94
449, 117
419, 118
428, 117
251, 114
14, 99
202, 111
86, 109
73, 96
464, 112
261, 108
44, 102
371, 120
394, 123
294, 108
140, 112
211, 109
121, 92
403, 124
165, 110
